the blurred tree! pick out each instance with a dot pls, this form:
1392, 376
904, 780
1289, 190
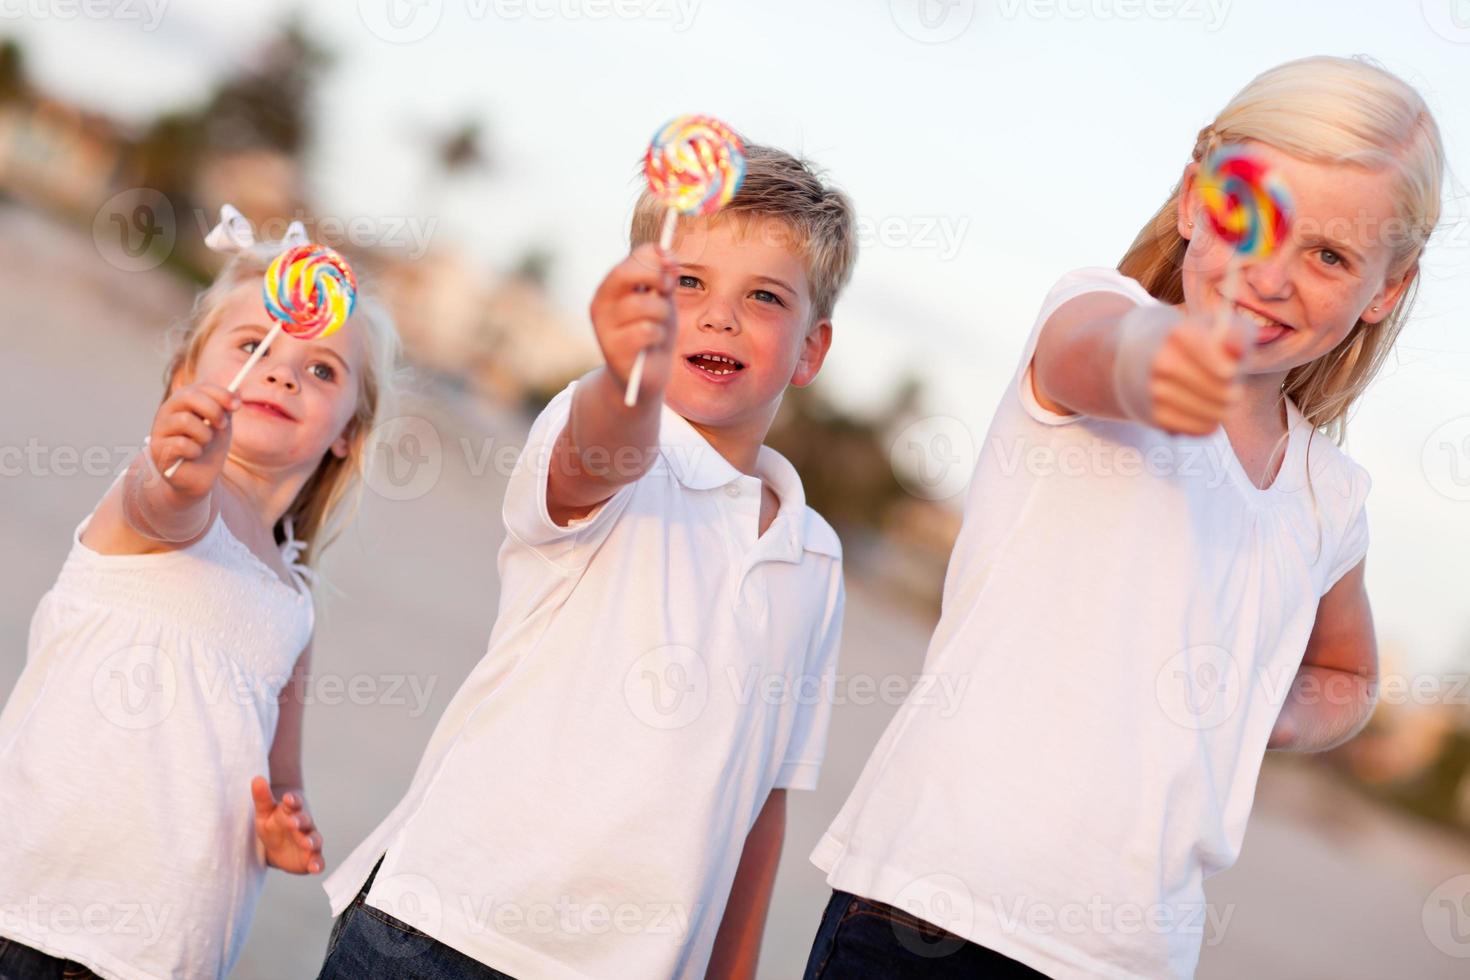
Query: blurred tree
13, 84
461, 148
267, 105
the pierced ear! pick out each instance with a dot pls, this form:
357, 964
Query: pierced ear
1388, 297
1184, 218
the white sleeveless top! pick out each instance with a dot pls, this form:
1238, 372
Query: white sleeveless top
146, 706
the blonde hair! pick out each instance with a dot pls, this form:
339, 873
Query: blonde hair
319, 513
1323, 110
779, 185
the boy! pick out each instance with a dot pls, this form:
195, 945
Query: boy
605, 795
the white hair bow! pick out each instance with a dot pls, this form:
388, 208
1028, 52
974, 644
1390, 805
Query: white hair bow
234, 234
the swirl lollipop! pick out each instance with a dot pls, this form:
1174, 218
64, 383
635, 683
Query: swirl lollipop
694, 165
309, 292
1248, 207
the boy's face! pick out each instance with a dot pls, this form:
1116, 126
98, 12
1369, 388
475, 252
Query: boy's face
741, 294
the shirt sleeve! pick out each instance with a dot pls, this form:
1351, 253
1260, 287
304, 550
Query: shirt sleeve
1353, 545
525, 512
1077, 283
808, 742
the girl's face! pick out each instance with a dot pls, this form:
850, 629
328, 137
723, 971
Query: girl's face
298, 399
1332, 271
741, 293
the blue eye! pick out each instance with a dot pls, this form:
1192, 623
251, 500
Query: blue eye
249, 346
766, 296
1335, 259
327, 373
688, 282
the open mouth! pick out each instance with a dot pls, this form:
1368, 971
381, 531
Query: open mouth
1268, 329
718, 365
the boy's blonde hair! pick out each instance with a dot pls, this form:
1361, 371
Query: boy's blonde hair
779, 185
1323, 110
318, 514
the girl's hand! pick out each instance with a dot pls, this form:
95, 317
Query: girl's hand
286, 830
1176, 372
633, 310
193, 424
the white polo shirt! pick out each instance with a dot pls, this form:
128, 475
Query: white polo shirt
1124, 611
655, 671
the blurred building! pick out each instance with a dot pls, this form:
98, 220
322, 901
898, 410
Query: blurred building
59, 157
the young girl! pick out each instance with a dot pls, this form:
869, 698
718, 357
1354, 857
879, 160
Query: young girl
163, 685
1160, 573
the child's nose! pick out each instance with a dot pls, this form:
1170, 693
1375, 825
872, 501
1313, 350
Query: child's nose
1271, 277
283, 375
718, 316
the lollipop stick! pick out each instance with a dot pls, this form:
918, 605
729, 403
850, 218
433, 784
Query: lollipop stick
234, 386
1227, 293
635, 376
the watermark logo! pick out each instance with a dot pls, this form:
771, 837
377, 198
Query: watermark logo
1450, 19
406, 458
933, 457
932, 21
667, 687
1199, 687
1446, 459
136, 687
1446, 917
135, 230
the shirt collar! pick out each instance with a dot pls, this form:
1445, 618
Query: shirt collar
699, 466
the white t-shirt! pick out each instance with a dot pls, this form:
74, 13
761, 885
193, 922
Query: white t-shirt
1125, 612
148, 702
655, 671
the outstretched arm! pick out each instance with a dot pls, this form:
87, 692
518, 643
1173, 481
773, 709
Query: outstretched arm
738, 943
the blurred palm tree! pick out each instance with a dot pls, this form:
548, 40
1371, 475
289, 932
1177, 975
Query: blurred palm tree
13, 85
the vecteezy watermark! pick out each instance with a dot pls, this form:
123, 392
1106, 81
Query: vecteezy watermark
409, 21
942, 234
36, 916
1210, 13
1199, 687
933, 457
409, 234
1445, 459
405, 458
564, 915
138, 687
134, 230
1446, 917
37, 459
932, 21
149, 13
667, 687
1450, 19
1100, 916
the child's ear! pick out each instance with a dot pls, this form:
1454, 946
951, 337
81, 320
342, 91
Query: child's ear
342, 445
1184, 219
1387, 297
814, 347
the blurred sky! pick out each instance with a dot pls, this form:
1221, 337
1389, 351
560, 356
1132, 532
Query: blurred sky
990, 145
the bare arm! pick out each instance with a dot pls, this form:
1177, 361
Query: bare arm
606, 444
284, 826
1335, 689
146, 513
738, 943
1102, 355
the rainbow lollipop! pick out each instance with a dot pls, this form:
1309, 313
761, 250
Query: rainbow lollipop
1248, 207
694, 165
309, 292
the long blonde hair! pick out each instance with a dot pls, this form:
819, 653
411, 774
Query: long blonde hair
320, 512
1323, 110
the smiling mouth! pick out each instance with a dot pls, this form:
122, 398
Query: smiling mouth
1267, 328
269, 409
715, 364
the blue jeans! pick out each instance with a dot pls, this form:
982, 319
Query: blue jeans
368, 942
21, 962
865, 940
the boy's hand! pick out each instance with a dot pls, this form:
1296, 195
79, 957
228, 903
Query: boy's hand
193, 424
633, 310
286, 830
1176, 372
